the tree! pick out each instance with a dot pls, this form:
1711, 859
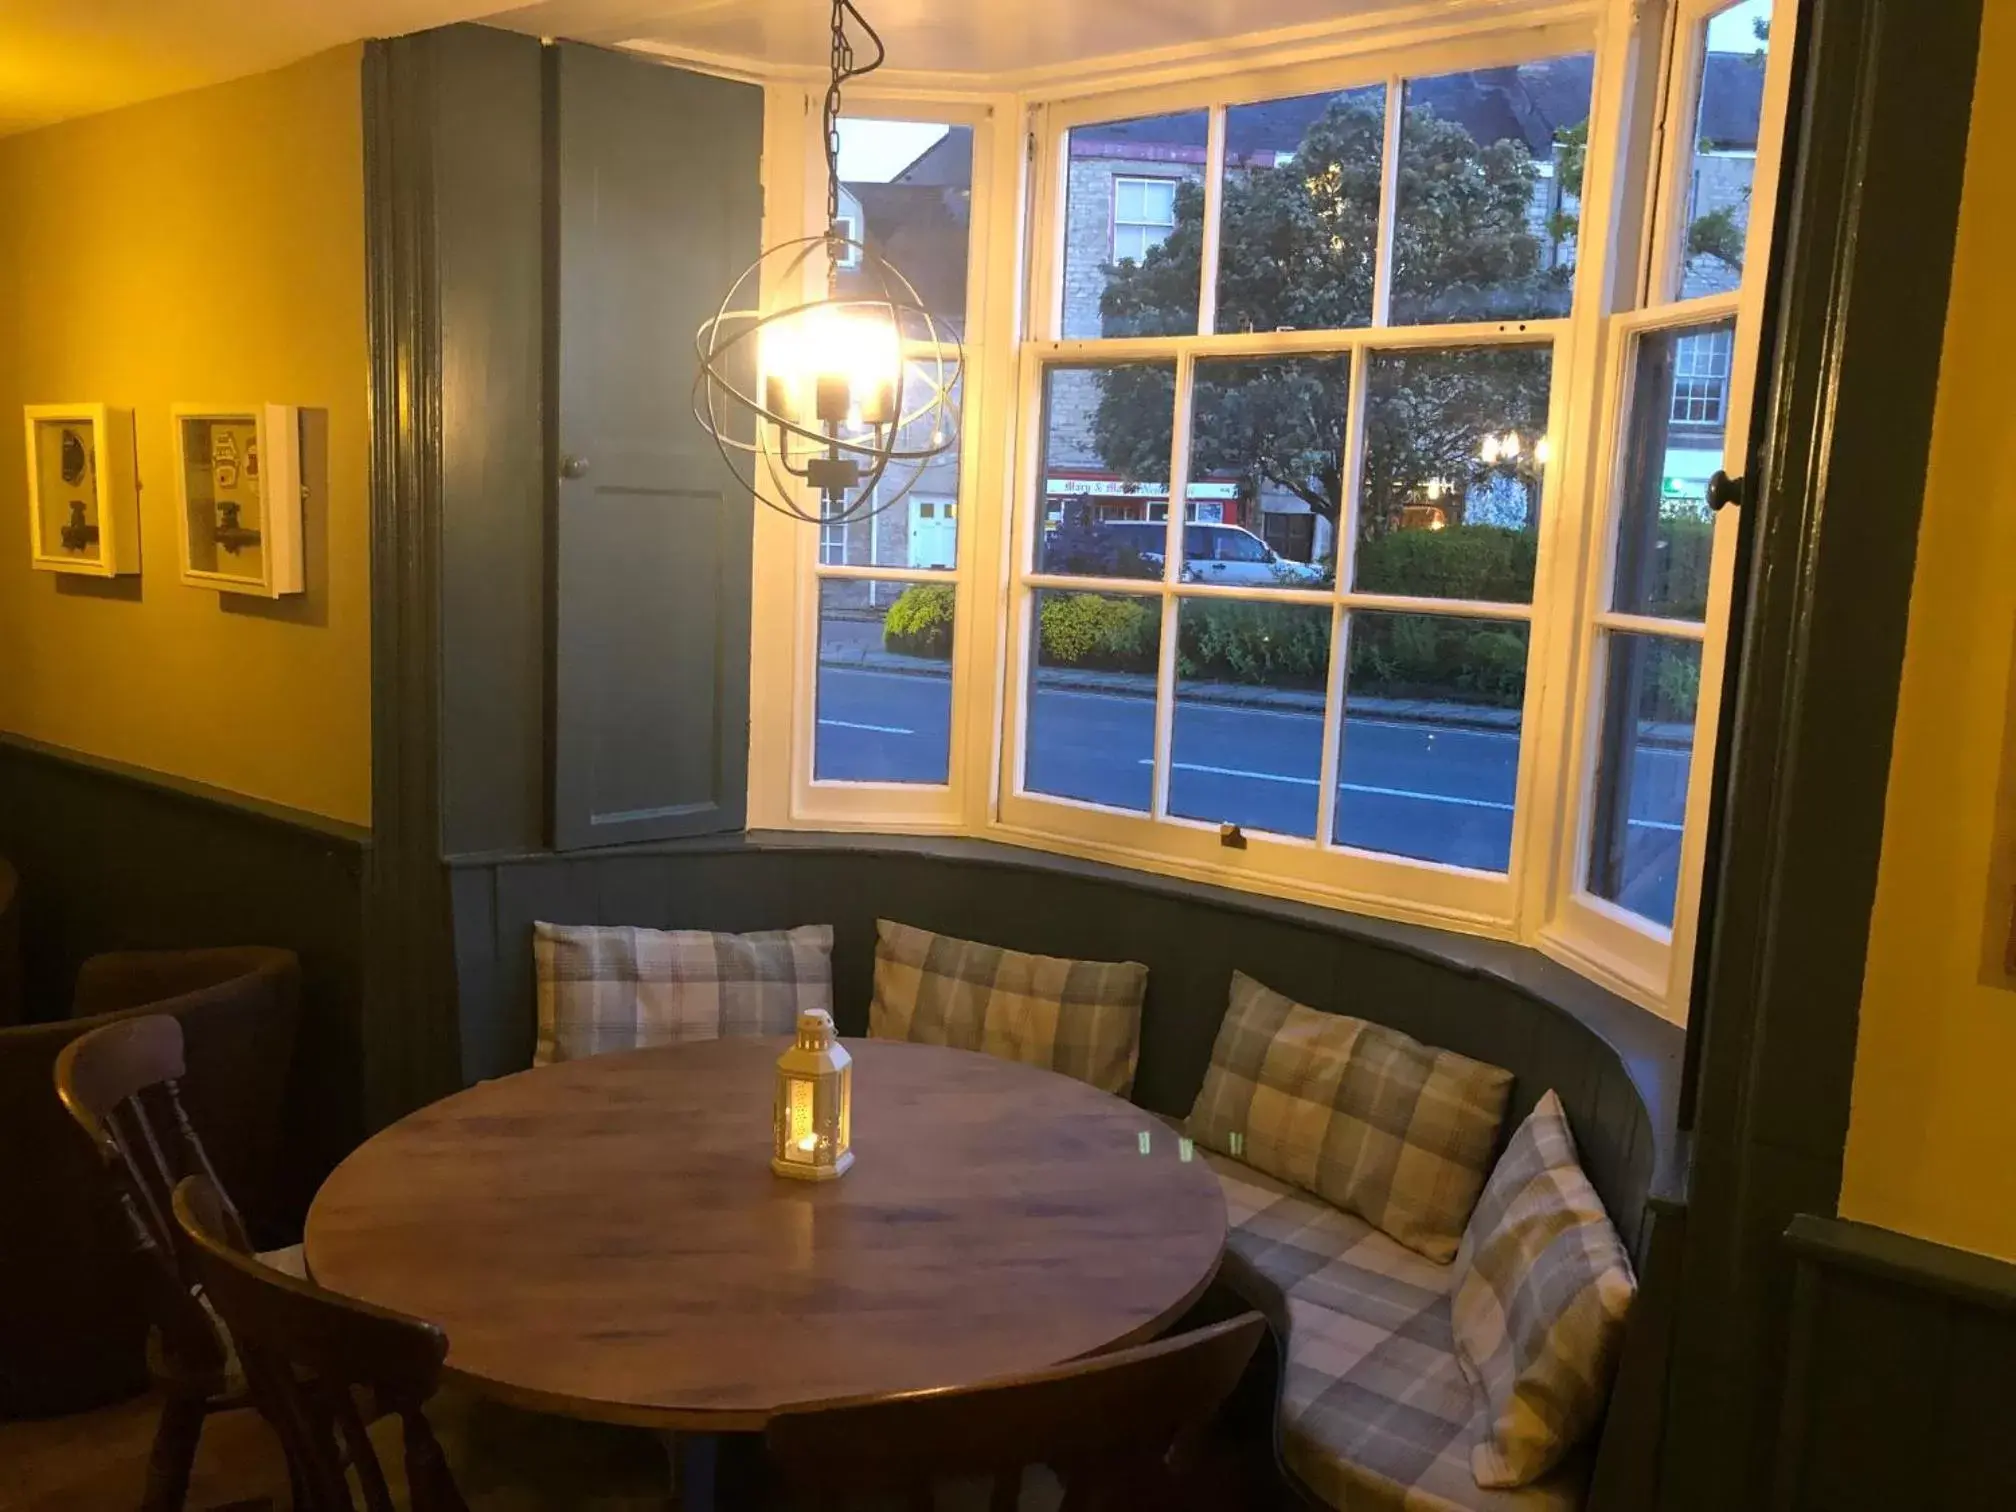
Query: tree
1298, 248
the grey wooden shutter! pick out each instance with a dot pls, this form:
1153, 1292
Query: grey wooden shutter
658, 207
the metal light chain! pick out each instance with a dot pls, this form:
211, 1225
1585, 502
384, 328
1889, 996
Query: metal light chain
840, 68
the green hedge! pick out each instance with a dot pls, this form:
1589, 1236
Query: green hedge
1489, 563
919, 623
1425, 656
1093, 630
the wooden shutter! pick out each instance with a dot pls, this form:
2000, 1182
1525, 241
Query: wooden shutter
658, 207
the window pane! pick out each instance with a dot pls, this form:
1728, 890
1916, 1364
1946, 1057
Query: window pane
1652, 688
1724, 161
1430, 755
1299, 228
1665, 532
1266, 438
1248, 740
1091, 715
903, 534
885, 682
1107, 432
908, 186
1490, 192
1143, 285
1456, 451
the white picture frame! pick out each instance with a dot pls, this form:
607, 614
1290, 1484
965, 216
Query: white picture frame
83, 489
238, 497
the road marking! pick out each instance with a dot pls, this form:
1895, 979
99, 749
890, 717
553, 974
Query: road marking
1382, 792
848, 724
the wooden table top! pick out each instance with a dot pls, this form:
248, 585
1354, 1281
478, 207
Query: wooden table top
605, 1239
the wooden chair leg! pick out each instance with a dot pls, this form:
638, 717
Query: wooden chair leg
174, 1454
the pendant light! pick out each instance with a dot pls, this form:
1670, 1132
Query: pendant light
851, 397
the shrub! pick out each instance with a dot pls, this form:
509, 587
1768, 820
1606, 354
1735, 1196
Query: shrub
1676, 682
1492, 563
1275, 644
1429, 656
1095, 630
919, 623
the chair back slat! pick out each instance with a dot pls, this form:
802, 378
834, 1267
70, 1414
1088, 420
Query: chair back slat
1106, 1425
121, 1084
308, 1355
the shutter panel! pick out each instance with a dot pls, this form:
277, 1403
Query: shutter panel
658, 207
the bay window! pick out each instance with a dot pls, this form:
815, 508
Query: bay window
1330, 515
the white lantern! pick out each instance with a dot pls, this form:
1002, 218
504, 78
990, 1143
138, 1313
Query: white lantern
815, 1095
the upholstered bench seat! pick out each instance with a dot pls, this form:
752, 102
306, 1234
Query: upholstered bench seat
1375, 1412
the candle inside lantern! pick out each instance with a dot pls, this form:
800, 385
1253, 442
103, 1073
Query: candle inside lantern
814, 1122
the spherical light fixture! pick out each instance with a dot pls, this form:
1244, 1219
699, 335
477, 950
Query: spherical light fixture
851, 395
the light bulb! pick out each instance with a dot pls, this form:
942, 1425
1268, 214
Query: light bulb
1490, 451
1509, 448
1543, 452
832, 363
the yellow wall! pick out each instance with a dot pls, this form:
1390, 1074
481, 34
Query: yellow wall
204, 248
1932, 1140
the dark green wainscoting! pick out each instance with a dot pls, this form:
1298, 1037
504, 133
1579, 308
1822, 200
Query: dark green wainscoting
114, 858
1900, 1387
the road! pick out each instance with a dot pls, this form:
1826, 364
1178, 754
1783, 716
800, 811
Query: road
1406, 788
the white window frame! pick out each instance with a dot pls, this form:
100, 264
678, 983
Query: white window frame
1316, 870
1704, 388
1014, 305
785, 589
851, 257
1165, 227
1634, 956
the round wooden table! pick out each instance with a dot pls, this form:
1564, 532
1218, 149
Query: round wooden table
605, 1239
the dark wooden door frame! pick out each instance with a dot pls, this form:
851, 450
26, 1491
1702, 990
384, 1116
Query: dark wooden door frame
408, 1013
1867, 214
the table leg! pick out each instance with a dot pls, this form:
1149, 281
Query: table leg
690, 1460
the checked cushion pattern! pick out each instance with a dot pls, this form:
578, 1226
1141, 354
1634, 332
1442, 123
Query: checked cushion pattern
1375, 1411
1360, 1114
605, 988
1081, 1018
1542, 1292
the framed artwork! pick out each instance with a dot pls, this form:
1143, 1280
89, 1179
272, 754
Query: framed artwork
238, 495
83, 502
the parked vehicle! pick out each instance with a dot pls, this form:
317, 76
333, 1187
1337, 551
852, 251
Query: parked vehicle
1211, 554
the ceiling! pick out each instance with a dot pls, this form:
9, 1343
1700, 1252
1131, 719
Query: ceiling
976, 38
62, 58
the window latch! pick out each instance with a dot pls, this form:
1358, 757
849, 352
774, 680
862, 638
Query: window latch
1723, 489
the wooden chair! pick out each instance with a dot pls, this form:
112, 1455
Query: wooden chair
1114, 1428
311, 1356
121, 1082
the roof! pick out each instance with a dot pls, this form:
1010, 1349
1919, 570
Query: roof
1732, 100
922, 229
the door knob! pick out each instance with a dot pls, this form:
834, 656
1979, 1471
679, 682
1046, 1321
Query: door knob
1724, 490
573, 467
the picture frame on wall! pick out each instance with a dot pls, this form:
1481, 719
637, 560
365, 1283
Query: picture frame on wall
83, 492
238, 497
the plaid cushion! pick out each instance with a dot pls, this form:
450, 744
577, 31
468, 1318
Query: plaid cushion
1376, 1122
1375, 1409
1082, 1018
1543, 1286
606, 988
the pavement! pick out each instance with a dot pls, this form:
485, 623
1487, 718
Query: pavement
1429, 781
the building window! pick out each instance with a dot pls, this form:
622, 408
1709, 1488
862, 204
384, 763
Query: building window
1701, 378
850, 228
1144, 213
